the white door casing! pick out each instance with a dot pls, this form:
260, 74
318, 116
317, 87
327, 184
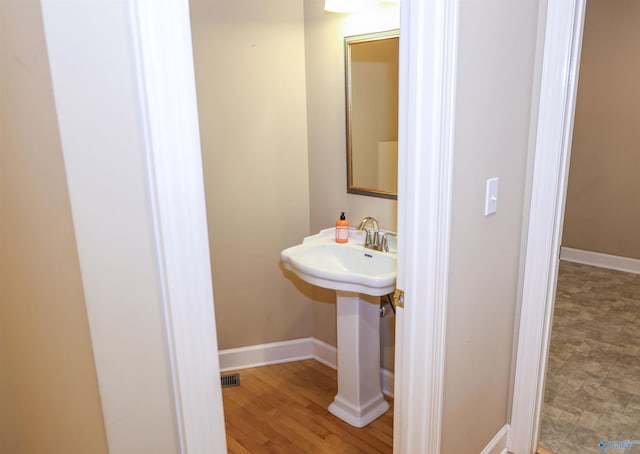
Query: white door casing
563, 37
157, 113
428, 44
166, 75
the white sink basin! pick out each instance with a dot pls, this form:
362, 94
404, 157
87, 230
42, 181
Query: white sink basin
349, 267
351, 270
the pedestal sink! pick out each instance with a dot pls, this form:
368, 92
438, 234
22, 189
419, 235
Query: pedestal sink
359, 276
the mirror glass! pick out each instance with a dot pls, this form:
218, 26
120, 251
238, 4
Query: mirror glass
371, 63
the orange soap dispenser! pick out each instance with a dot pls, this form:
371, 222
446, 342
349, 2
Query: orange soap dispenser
342, 229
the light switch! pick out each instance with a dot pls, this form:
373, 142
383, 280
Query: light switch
491, 201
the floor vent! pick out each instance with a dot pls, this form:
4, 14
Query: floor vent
230, 380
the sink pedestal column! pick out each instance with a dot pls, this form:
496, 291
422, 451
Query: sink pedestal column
359, 400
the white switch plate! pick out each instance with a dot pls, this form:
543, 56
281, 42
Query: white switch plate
491, 200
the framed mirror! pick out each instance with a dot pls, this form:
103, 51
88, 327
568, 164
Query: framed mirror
371, 68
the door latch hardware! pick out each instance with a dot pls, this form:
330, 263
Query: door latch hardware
398, 298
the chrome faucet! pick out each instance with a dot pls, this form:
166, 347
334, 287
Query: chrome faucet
371, 237
384, 244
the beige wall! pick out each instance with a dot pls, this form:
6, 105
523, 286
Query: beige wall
9, 426
49, 399
324, 46
497, 46
250, 75
601, 208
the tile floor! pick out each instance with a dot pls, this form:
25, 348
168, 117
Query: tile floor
593, 377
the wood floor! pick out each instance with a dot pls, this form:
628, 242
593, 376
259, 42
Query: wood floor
283, 409
542, 450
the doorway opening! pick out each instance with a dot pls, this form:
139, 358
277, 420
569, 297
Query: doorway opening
275, 172
592, 390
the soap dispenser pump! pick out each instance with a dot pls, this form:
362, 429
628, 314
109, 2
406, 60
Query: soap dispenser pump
342, 229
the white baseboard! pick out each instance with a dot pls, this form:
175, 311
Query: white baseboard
386, 377
498, 444
265, 354
288, 351
613, 262
325, 353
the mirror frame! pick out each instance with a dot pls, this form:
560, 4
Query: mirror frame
348, 40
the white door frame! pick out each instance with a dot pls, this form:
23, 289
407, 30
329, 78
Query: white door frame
162, 35
428, 45
563, 39
427, 87
157, 34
